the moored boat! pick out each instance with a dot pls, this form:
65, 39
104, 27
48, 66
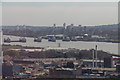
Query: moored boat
38, 39
53, 39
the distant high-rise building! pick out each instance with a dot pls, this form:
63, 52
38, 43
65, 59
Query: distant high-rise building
54, 25
64, 24
72, 24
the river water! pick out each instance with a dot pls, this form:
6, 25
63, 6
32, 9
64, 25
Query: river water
105, 46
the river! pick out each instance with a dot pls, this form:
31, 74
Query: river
105, 46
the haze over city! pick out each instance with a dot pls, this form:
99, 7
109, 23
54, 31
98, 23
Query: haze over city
46, 13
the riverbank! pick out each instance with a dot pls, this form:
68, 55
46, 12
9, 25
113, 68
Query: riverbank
35, 52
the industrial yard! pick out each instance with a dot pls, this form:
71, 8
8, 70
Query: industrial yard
25, 62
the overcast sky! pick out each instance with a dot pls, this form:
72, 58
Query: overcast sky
49, 13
